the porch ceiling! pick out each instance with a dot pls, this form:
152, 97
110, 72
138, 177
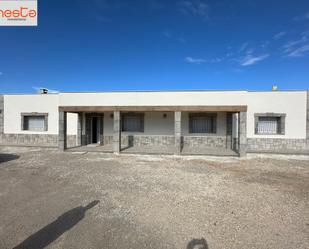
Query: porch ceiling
220, 108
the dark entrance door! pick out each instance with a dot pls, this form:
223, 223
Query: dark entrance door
94, 130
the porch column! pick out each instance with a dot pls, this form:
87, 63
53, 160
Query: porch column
101, 129
235, 131
242, 134
117, 132
177, 130
84, 137
79, 128
62, 135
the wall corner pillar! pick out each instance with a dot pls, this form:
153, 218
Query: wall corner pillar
177, 131
62, 135
242, 134
117, 132
79, 128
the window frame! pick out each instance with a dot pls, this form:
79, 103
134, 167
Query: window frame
140, 115
281, 123
34, 114
203, 114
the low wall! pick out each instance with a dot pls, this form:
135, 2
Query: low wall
258, 145
278, 145
164, 140
143, 140
207, 141
43, 140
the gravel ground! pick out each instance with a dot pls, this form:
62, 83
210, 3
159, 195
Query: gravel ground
68, 200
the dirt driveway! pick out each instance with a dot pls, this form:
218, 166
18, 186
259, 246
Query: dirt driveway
68, 200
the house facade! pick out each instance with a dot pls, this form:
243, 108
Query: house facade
169, 122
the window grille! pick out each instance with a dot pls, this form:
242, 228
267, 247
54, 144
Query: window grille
269, 123
133, 122
202, 123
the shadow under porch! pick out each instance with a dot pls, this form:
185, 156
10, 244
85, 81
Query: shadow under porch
133, 132
161, 132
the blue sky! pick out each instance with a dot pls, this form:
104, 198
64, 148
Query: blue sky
99, 45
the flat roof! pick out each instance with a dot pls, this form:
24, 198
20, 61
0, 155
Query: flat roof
150, 91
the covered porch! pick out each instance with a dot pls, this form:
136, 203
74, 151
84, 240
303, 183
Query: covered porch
182, 130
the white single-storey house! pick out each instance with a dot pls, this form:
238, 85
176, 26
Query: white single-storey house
170, 122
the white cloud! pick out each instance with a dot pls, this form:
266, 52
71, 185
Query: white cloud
195, 60
265, 44
297, 48
289, 46
195, 7
216, 60
302, 17
251, 60
279, 35
243, 47
246, 48
300, 51
201, 60
167, 34
249, 51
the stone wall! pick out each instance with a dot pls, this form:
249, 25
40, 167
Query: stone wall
147, 140
278, 145
42, 140
269, 145
107, 140
143, 140
207, 141
164, 140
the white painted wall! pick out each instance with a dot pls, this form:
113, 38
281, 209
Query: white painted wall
108, 124
14, 105
292, 103
71, 124
154, 124
186, 98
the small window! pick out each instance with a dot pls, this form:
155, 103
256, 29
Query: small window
269, 124
202, 123
34, 122
133, 122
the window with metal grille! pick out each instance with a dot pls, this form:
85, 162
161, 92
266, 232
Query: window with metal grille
270, 123
34, 123
133, 122
202, 123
